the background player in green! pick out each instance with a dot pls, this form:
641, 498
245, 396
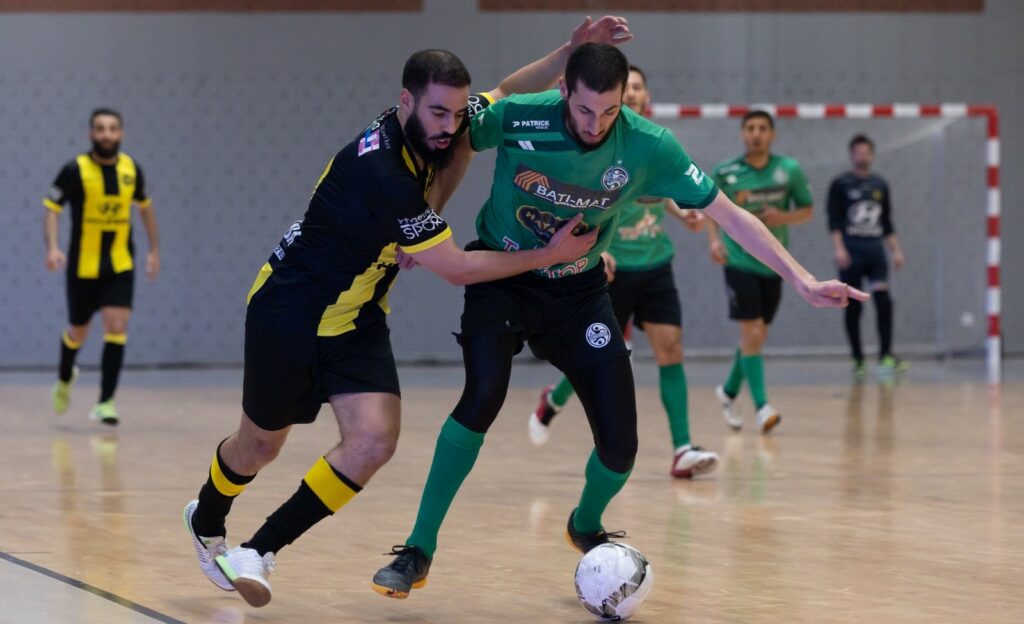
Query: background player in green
315, 326
774, 188
561, 154
860, 220
100, 187
641, 285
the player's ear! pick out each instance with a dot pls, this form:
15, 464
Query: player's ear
407, 101
562, 89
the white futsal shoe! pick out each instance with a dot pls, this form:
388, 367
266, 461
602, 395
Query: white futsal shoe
732, 417
248, 573
207, 549
690, 461
767, 418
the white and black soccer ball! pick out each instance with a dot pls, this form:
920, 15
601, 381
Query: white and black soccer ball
613, 580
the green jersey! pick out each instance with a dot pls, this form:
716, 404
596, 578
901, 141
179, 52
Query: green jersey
543, 177
781, 183
640, 241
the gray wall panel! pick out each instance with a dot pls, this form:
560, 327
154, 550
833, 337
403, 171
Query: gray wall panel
234, 116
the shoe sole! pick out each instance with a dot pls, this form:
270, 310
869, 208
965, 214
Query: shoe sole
195, 539
254, 593
771, 423
391, 592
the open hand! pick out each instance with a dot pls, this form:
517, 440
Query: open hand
567, 247
609, 29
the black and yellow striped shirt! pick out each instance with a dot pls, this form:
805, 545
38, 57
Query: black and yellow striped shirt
333, 269
101, 199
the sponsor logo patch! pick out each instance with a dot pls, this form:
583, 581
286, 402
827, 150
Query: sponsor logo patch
544, 224
564, 194
370, 142
425, 222
532, 124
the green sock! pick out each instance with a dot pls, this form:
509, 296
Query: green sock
560, 395
753, 369
735, 380
601, 487
456, 452
672, 380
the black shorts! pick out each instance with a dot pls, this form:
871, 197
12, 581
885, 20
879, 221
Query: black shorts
649, 295
752, 296
86, 296
866, 262
567, 321
291, 372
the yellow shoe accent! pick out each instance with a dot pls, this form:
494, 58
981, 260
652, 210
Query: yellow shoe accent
61, 393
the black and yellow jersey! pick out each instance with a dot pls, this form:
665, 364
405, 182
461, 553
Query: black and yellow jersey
334, 268
101, 199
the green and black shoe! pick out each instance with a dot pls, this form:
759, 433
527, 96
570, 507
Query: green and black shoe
407, 572
585, 542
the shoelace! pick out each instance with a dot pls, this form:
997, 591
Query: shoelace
615, 534
405, 556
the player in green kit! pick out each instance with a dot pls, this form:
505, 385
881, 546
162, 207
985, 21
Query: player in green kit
642, 286
561, 154
774, 188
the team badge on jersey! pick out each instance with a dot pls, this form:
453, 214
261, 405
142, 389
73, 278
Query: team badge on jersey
598, 335
615, 177
780, 176
370, 142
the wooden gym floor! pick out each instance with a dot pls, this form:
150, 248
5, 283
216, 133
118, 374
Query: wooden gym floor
875, 503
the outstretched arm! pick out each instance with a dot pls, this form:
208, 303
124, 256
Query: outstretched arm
754, 236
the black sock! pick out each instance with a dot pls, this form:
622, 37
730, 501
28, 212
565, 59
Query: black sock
68, 352
883, 309
852, 319
113, 357
322, 492
215, 502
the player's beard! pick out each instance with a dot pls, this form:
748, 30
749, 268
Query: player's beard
417, 137
105, 152
570, 125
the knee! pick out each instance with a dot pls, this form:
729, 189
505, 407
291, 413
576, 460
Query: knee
671, 353
376, 445
618, 455
260, 452
78, 332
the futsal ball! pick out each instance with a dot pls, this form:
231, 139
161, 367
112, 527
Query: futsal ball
613, 580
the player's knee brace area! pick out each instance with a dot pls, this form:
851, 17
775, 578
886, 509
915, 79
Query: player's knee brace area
488, 361
609, 398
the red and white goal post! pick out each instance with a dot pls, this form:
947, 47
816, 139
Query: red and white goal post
989, 112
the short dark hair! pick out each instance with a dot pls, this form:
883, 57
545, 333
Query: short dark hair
755, 114
599, 66
861, 139
634, 68
433, 67
105, 111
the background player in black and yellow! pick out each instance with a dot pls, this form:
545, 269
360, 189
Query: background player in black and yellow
772, 187
315, 327
100, 188
860, 221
